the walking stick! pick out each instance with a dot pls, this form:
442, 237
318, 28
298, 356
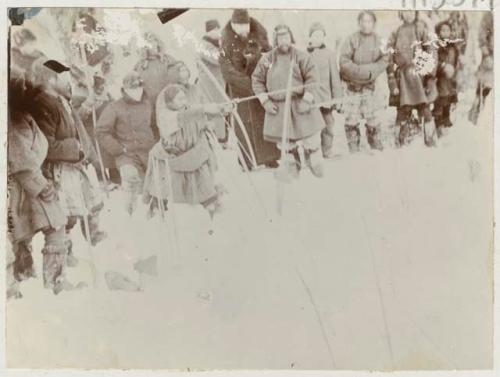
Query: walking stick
172, 239
284, 141
94, 120
173, 230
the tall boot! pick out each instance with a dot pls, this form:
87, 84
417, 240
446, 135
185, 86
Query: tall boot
97, 235
54, 269
353, 138
327, 142
430, 134
373, 136
294, 164
404, 134
23, 264
314, 161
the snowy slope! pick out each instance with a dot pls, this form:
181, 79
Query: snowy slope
385, 263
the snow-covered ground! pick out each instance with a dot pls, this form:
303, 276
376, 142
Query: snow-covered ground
386, 263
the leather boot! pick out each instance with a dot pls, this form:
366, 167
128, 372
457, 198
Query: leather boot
54, 268
23, 264
430, 134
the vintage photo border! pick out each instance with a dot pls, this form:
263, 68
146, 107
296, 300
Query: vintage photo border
276, 4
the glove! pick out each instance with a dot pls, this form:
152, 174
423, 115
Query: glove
49, 193
270, 107
303, 106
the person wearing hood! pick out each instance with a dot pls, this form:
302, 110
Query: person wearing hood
239, 34
70, 150
325, 60
361, 63
185, 150
180, 74
305, 121
448, 63
33, 203
124, 131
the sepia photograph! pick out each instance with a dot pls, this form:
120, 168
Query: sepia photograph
199, 189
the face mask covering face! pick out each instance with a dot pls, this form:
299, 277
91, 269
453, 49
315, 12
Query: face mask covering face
135, 93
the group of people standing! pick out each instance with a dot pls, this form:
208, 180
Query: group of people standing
158, 140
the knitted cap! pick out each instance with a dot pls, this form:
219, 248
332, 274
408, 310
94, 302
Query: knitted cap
317, 26
240, 16
211, 25
132, 80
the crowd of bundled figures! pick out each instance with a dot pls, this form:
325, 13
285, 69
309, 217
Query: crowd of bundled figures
157, 142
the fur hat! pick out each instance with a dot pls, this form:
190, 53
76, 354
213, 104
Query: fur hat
240, 16
315, 27
211, 25
282, 29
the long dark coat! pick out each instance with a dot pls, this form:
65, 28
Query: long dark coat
413, 89
237, 73
66, 137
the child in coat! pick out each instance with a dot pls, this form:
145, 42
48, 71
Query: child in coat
412, 88
361, 62
448, 61
325, 60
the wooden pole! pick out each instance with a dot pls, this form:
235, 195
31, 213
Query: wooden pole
284, 139
94, 120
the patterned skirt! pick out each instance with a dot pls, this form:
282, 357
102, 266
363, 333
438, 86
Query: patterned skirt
360, 105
